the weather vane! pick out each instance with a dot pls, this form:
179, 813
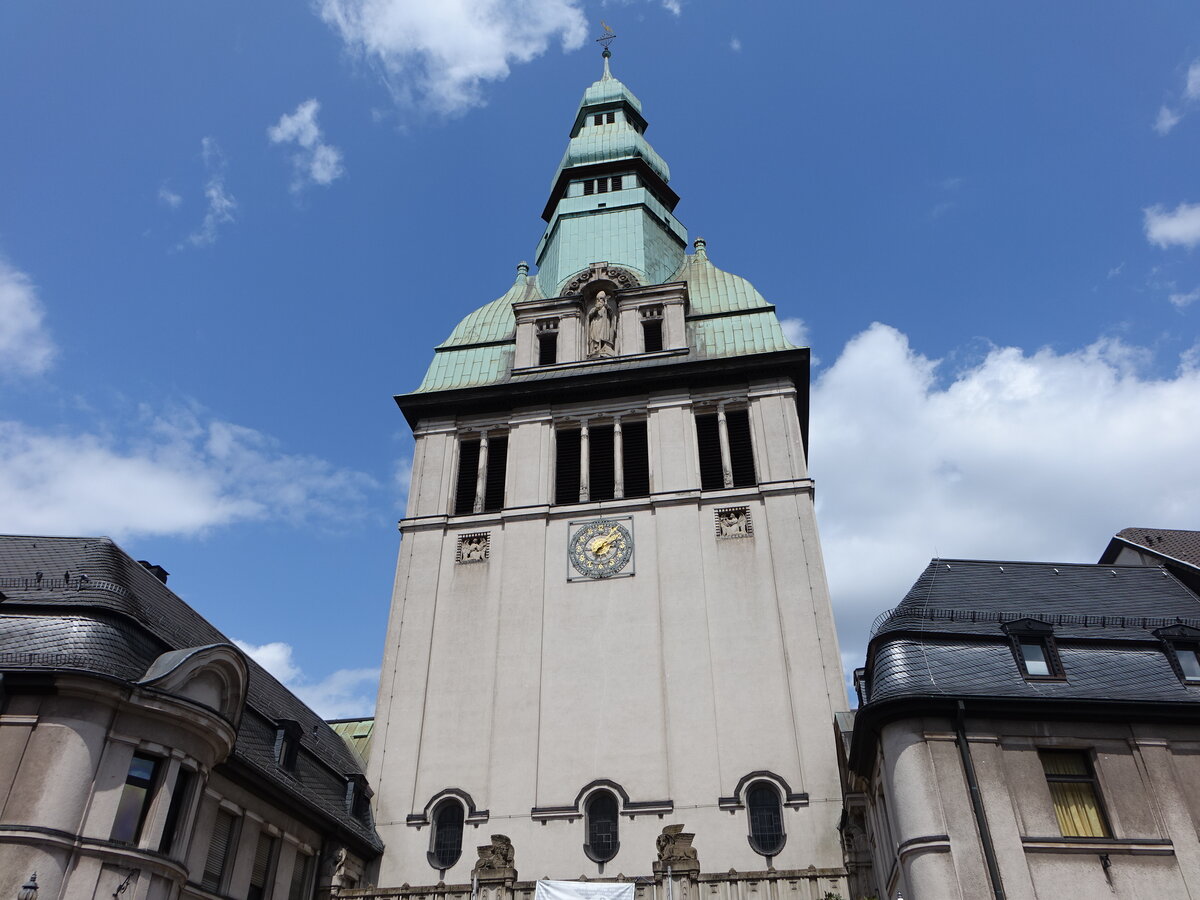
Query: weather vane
607, 38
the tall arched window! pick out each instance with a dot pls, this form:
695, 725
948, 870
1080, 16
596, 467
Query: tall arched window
603, 839
446, 842
766, 818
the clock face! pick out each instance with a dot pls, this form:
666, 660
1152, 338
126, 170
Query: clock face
600, 549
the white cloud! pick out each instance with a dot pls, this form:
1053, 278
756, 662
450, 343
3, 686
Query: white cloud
25, 344
1038, 455
443, 53
181, 474
343, 694
1169, 117
735, 44
169, 198
675, 7
1191, 88
1116, 270
1184, 300
1166, 120
795, 331
316, 162
1178, 226
221, 203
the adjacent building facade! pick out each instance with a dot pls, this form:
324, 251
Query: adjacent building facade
1028, 730
143, 756
610, 613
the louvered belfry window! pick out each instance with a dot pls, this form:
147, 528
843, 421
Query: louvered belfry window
602, 462
766, 819
467, 481
741, 453
741, 450
601, 472
602, 826
708, 443
468, 472
636, 454
566, 465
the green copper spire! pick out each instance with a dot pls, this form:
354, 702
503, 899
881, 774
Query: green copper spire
609, 198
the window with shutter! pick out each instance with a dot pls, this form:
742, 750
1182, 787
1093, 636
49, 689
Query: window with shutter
264, 860
180, 796
301, 869
219, 845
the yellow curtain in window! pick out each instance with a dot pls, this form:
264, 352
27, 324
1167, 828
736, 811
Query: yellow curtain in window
1077, 810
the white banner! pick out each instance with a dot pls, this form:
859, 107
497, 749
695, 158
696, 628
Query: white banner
582, 890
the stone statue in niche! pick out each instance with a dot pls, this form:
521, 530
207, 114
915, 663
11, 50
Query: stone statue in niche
733, 523
675, 850
474, 548
496, 856
601, 328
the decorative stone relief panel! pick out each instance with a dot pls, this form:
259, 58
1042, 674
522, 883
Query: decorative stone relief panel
474, 548
733, 522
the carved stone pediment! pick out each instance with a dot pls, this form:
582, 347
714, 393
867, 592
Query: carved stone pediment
617, 278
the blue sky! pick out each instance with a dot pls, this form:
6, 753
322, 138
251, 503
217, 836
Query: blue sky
230, 232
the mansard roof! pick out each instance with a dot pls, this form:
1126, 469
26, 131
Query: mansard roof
726, 317
84, 605
947, 644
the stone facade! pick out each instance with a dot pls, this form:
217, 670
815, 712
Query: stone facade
648, 640
144, 756
1027, 730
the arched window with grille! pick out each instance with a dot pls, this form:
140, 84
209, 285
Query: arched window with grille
766, 818
445, 844
603, 837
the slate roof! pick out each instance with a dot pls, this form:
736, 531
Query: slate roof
946, 636
85, 605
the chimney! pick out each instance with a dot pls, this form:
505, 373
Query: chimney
157, 571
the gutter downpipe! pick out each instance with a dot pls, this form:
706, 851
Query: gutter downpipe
985, 833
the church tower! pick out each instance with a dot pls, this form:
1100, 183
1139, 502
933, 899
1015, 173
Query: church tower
610, 613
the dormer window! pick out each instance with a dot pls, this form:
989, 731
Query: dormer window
358, 797
602, 118
652, 328
1034, 649
287, 743
1182, 646
547, 337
